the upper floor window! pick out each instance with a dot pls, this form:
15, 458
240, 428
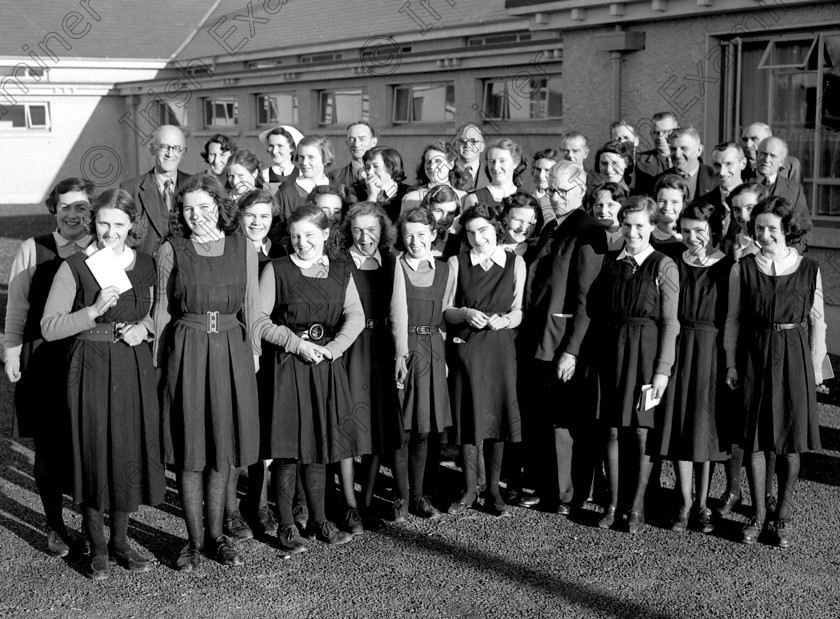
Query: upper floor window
343, 106
221, 112
424, 103
25, 116
523, 97
277, 108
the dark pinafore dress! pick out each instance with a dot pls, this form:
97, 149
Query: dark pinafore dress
780, 402
483, 195
630, 302
312, 415
370, 362
210, 400
482, 363
39, 412
694, 421
112, 399
425, 398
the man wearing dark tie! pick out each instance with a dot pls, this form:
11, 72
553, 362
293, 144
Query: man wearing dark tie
686, 148
751, 137
360, 139
728, 161
651, 163
470, 141
154, 192
770, 158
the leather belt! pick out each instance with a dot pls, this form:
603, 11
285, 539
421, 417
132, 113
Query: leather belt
699, 326
210, 322
315, 333
784, 326
102, 332
420, 329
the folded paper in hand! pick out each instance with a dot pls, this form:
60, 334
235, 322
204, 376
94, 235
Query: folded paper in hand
646, 399
106, 270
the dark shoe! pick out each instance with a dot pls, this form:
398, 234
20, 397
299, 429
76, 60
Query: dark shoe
189, 558
328, 533
301, 515
422, 508
608, 519
399, 511
563, 509
132, 560
770, 504
236, 527
680, 522
353, 522
496, 507
727, 502
528, 500
635, 521
750, 533
704, 520
290, 541
783, 534
461, 506
226, 553
512, 495
57, 545
261, 521
99, 568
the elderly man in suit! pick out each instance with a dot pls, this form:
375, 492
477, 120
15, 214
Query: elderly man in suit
651, 163
686, 147
751, 137
770, 160
470, 142
154, 192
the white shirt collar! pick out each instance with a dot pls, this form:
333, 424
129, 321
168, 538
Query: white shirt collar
782, 265
499, 256
414, 263
664, 236
60, 241
359, 258
264, 247
708, 260
767, 180
305, 264
638, 258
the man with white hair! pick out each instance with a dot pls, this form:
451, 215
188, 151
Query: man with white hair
154, 192
769, 161
751, 137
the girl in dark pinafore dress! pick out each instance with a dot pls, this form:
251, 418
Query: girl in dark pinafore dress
367, 235
505, 164
207, 276
482, 309
693, 423
39, 412
416, 320
775, 344
111, 389
635, 303
310, 310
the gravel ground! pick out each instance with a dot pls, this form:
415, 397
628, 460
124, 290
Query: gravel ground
532, 565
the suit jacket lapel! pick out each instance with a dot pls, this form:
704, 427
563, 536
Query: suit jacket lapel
153, 205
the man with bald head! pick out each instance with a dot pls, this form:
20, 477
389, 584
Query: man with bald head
751, 136
567, 259
769, 161
154, 192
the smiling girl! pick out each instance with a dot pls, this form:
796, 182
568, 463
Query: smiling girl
605, 203
243, 173
28, 358
311, 312
692, 426
111, 388
638, 293
522, 222
775, 344
441, 165
384, 177
482, 308
671, 193
505, 166
207, 275
420, 284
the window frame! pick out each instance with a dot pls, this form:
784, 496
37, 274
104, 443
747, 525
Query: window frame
363, 94
27, 116
488, 117
410, 88
259, 96
216, 100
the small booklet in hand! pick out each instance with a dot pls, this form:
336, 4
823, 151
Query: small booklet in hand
107, 271
646, 399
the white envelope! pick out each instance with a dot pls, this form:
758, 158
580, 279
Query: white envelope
107, 272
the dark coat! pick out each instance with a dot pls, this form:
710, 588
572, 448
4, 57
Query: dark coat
144, 190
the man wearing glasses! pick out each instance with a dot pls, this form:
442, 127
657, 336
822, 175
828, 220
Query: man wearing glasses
469, 141
155, 191
651, 163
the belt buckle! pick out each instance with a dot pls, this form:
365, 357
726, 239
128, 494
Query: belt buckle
423, 330
115, 335
316, 332
370, 323
212, 322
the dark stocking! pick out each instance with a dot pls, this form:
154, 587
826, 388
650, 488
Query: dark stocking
612, 465
256, 495
215, 487
119, 531
469, 456
314, 478
770, 469
47, 479
756, 475
418, 453
94, 522
644, 465
231, 503
733, 471
563, 446
493, 454
190, 487
283, 476
788, 475
400, 472
370, 469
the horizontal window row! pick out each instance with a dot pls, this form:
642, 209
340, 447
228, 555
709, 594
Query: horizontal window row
25, 116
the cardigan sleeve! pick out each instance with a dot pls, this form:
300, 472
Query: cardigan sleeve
252, 297
59, 320
733, 317
669, 298
816, 330
354, 322
279, 335
399, 312
17, 301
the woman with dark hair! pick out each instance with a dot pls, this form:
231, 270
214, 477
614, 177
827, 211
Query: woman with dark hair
693, 423
366, 238
420, 284
614, 161
605, 202
280, 144
207, 277
542, 163
671, 195
384, 175
243, 174
38, 411
775, 345
311, 312
482, 309
112, 398
445, 205
522, 222
505, 166
441, 164
217, 151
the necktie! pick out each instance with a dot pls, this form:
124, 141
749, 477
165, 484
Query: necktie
168, 195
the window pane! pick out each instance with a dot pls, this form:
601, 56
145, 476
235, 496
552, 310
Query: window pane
208, 112
325, 115
15, 116
263, 109
37, 115
401, 100
495, 100
555, 97
449, 110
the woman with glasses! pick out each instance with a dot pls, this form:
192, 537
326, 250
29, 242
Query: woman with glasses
207, 278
